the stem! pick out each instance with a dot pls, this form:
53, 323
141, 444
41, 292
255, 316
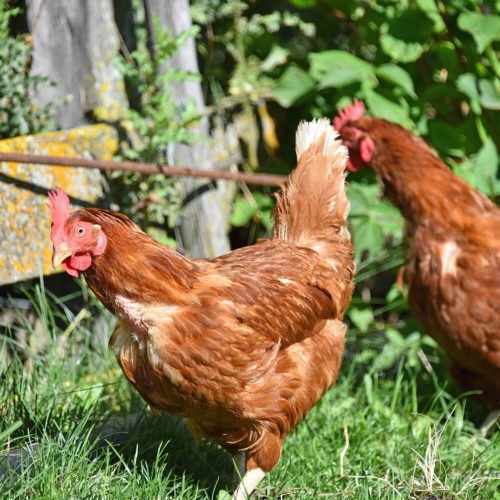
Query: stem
490, 54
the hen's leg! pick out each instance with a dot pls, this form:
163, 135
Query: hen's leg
240, 469
248, 484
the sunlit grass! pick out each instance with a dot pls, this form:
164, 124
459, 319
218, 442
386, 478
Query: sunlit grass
397, 432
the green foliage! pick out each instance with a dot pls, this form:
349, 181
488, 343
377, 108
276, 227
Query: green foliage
376, 220
18, 114
6, 13
254, 209
158, 120
247, 41
394, 425
481, 171
293, 84
236, 35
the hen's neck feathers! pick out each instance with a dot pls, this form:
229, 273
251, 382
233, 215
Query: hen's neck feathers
417, 180
134, 265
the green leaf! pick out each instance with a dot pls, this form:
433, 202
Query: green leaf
371, 219
484, 29
394, 337
243, 212
467, 84
399, 50
367, 236
276, 57
388, 216
361, 318
368, 383
398, 76
446, 137
361, 197
393, 294
224, 495
293, 84
263, 200
304, 4
7, 432
430, 9
267, 219
490, 94
335, 68
482, 170
406, 36
486, 167
382, 107
386, 359
447, 56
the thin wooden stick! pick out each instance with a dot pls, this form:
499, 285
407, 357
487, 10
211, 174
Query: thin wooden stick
146, 168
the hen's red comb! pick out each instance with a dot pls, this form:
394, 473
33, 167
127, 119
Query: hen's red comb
348, 114
59, 206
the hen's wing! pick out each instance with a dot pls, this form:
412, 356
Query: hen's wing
278, 289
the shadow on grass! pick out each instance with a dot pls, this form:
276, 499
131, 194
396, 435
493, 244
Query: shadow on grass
166, 441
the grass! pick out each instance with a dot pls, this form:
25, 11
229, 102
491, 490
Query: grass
393, 427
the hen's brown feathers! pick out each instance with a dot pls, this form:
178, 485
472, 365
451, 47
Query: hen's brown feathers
242, 345
417, 181
453, 257
314, 206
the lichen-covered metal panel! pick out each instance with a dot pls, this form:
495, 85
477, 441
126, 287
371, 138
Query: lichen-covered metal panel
25, 249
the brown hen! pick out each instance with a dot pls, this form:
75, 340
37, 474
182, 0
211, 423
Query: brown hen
452, 231
243, 345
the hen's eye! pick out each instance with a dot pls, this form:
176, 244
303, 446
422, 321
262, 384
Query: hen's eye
79, 231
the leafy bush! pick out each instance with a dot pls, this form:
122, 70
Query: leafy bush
18, 114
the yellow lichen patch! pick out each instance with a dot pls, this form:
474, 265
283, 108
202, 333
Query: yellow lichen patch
111, 101
25, 247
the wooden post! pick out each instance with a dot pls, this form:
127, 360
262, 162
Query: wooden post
207, 206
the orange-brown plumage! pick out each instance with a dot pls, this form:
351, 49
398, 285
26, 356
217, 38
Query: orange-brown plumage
241, 345
453, 249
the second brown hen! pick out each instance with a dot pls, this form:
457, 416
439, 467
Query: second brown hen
452, 264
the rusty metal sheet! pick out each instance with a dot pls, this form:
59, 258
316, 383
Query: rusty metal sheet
25, 250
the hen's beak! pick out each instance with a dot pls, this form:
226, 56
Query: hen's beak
61, 253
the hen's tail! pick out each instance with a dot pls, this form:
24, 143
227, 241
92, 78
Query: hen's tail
312, 209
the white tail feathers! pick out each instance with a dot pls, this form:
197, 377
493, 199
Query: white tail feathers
312, 208
309, 133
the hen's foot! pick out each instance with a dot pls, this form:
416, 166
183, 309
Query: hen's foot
248, 484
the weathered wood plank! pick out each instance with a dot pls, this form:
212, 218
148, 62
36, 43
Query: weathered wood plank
204, 218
